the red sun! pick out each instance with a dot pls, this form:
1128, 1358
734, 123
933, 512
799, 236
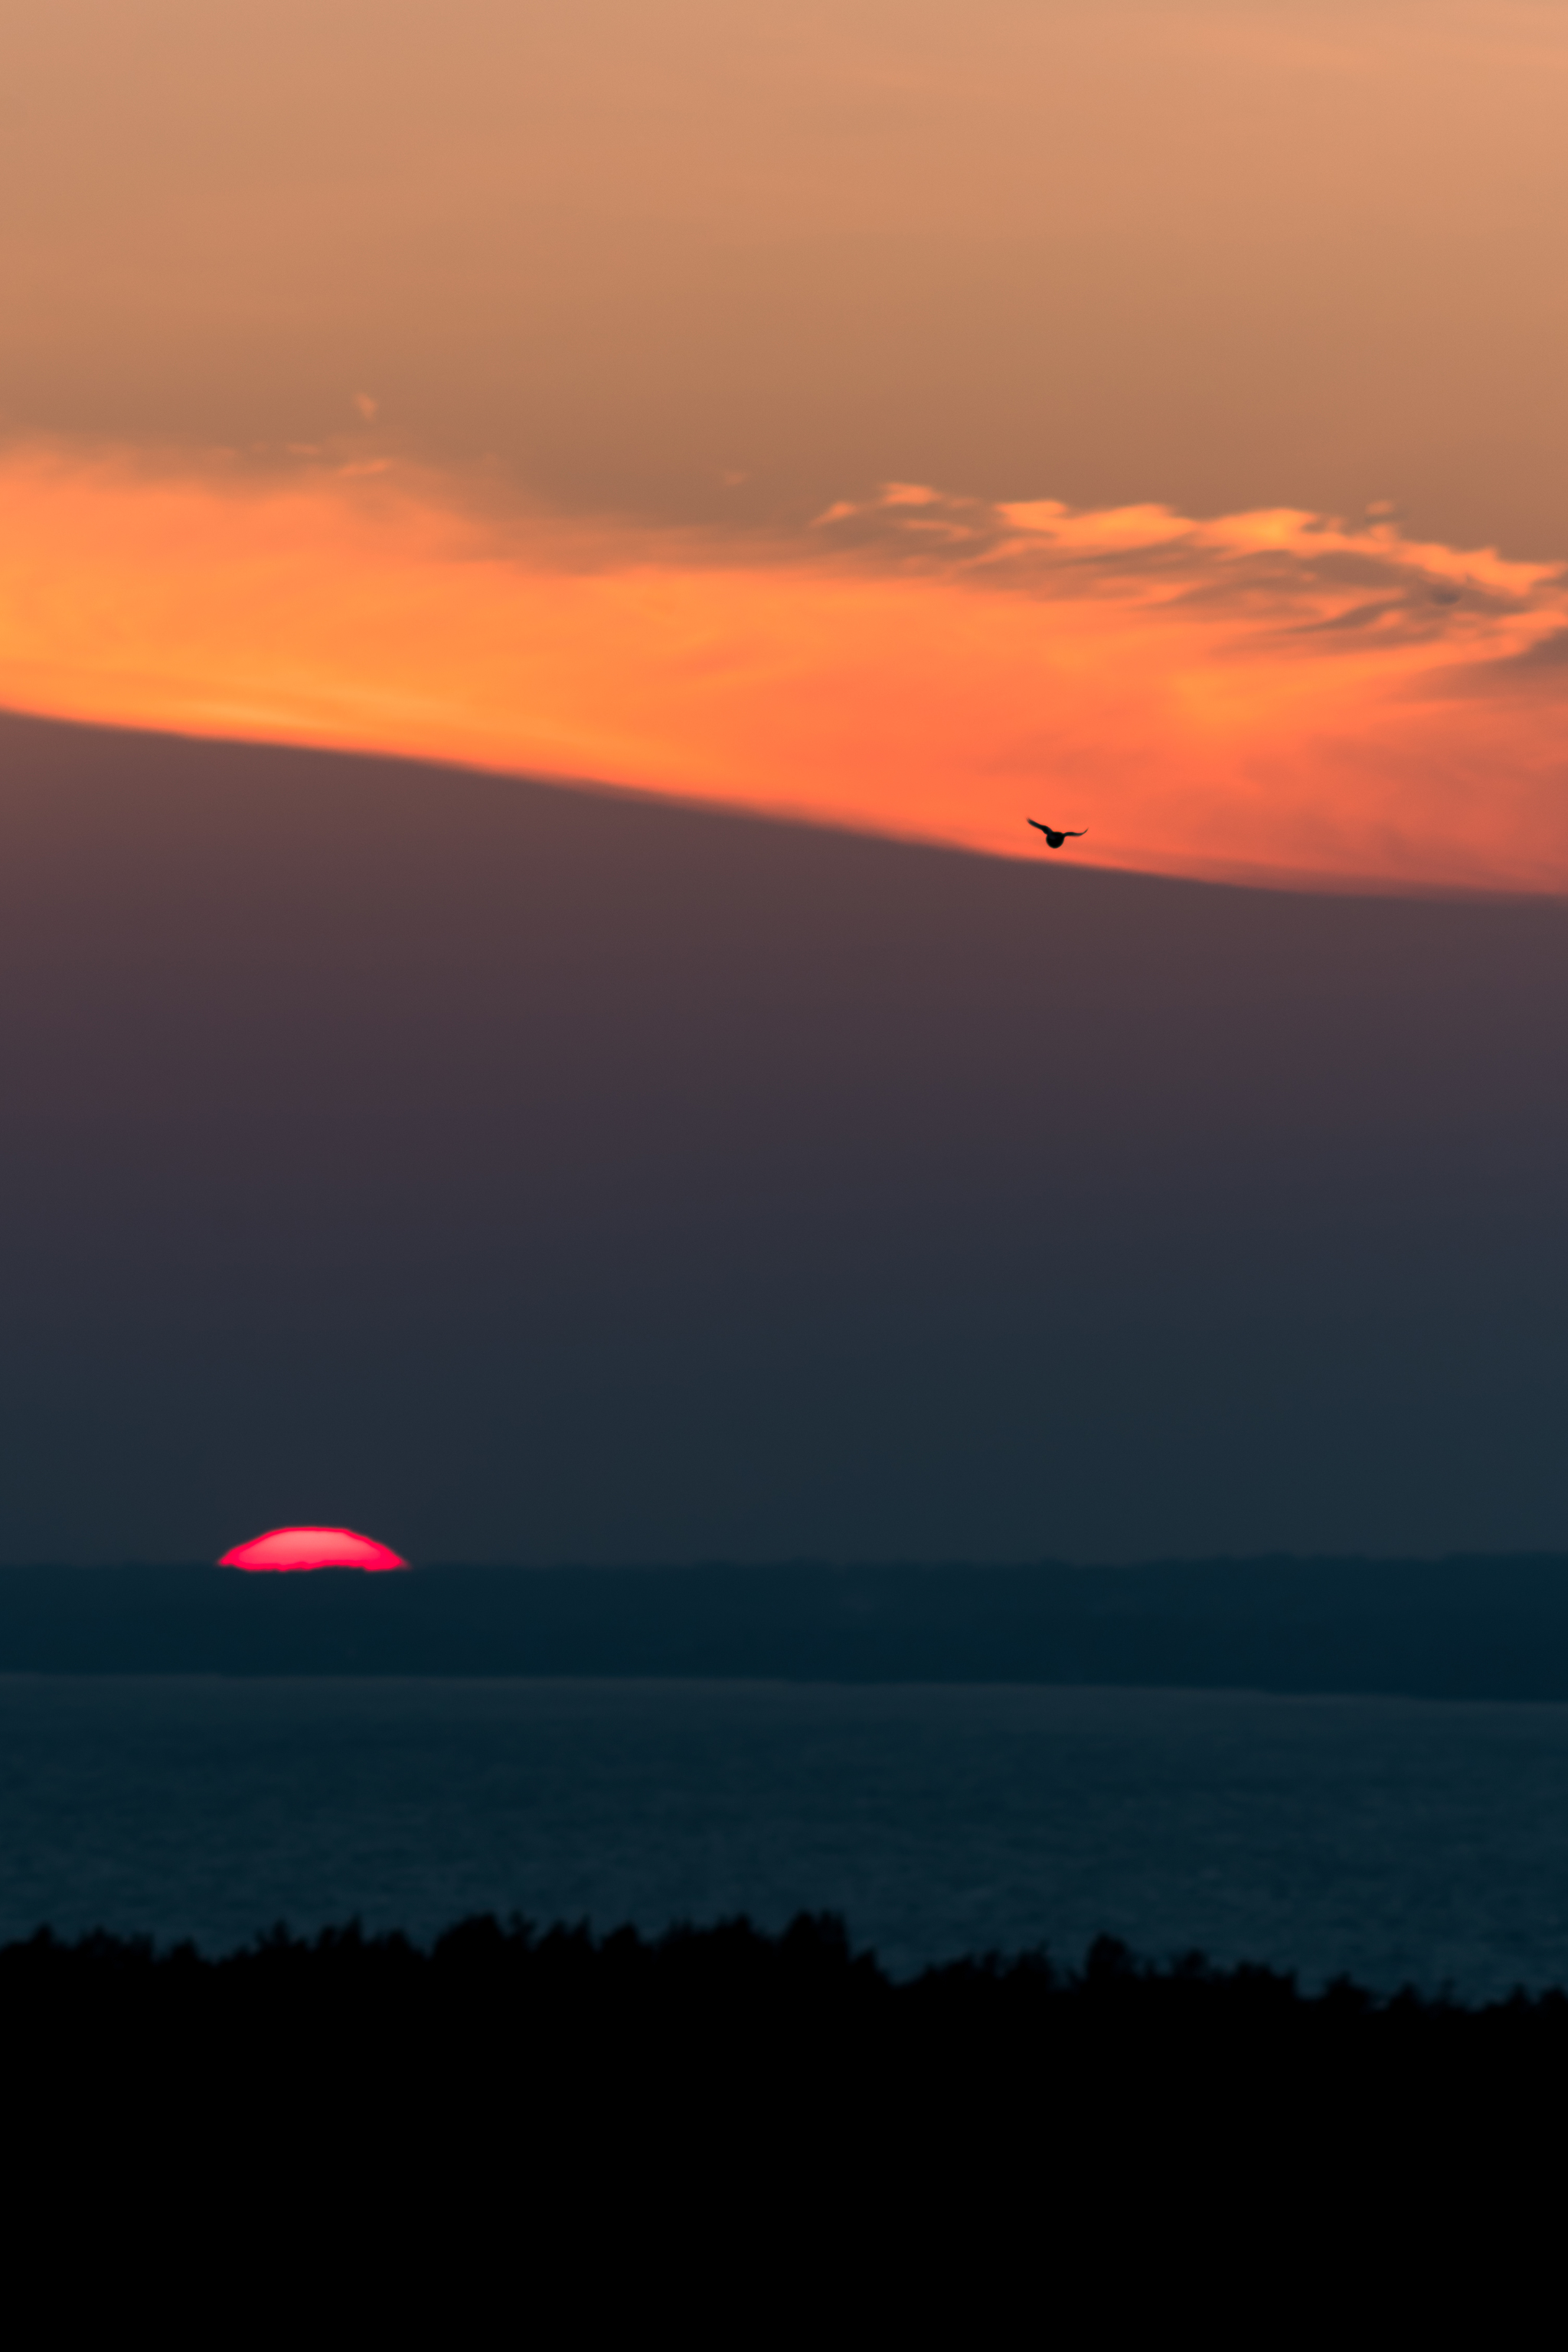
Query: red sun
303, 1548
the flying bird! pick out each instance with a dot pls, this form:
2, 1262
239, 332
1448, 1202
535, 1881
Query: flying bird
1053, 835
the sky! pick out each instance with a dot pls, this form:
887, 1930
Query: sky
549, 554
520, 1173
910, 418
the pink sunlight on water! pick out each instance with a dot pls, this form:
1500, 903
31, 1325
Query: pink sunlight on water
305, 1548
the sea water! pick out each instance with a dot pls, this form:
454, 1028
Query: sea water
1398, 1840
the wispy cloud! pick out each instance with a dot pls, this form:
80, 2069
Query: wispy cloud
1269, 695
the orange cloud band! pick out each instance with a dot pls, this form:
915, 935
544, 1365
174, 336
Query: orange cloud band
1263, 696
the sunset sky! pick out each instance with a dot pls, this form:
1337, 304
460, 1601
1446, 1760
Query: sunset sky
915, 417
549, 553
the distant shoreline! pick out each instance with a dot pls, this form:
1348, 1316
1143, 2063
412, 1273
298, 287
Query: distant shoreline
1460, 1628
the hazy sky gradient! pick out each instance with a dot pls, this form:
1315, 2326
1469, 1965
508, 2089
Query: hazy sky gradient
1222, 256
642, 292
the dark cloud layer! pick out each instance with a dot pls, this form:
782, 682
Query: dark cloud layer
529, 1174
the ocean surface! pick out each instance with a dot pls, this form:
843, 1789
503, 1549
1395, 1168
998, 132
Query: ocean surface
1399, 1840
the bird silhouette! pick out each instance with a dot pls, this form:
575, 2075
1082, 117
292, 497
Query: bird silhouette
1053, 834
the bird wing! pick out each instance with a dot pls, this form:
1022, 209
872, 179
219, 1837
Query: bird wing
1037, 826
1078, 836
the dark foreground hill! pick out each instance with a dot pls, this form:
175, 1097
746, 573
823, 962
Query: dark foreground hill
1481, 1629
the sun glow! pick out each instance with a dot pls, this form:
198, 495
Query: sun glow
1270, 694
292, 1549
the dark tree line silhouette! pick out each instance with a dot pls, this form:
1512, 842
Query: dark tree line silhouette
734, 1980
717, 2131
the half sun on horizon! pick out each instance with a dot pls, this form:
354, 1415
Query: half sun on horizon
288, 1549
